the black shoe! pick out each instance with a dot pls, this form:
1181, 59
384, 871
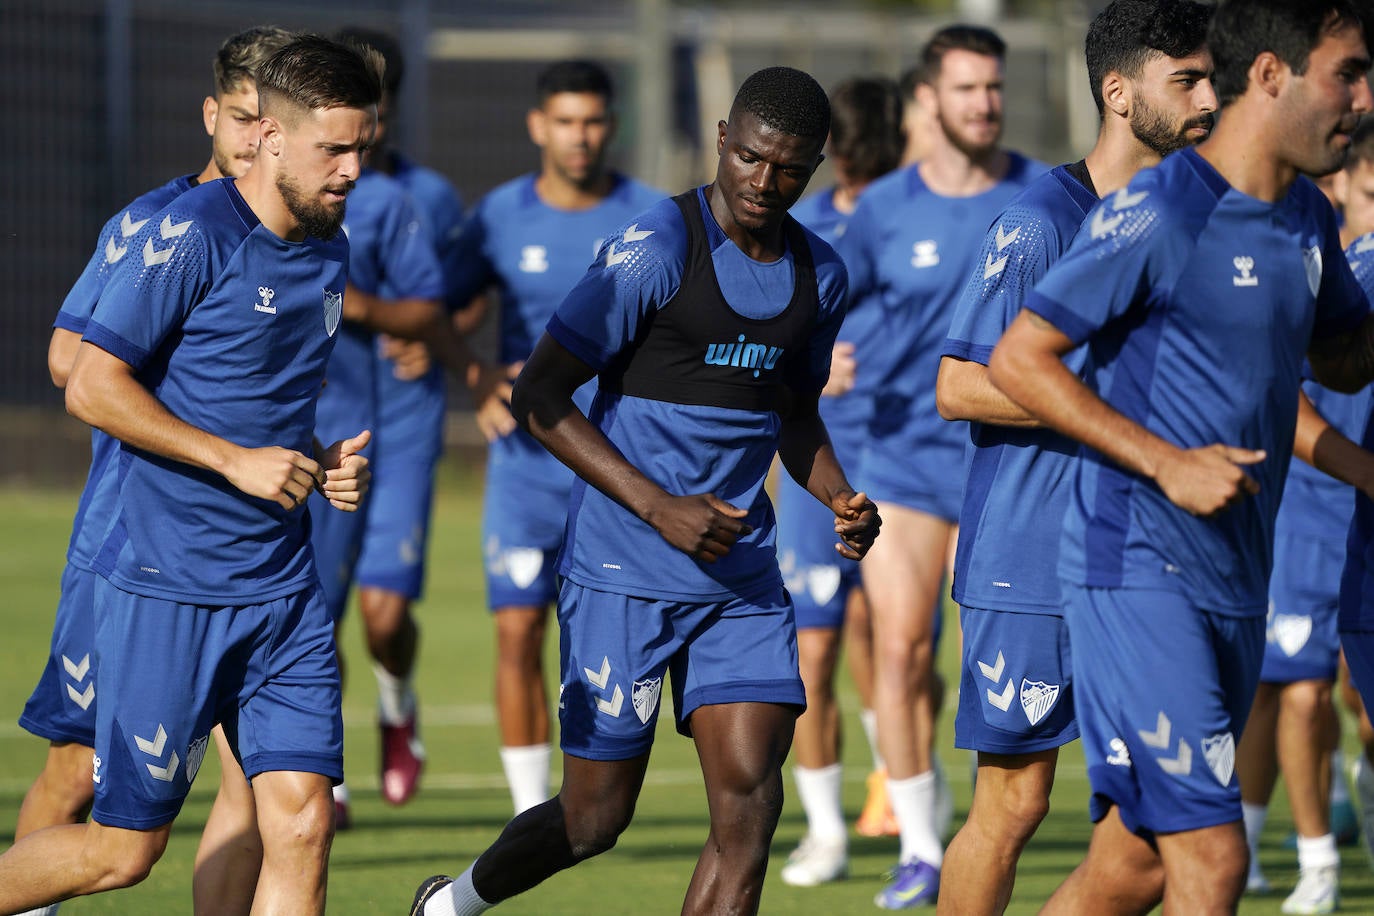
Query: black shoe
428, 888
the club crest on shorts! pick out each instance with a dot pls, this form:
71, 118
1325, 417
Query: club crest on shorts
1037, 699
1220, 751
333, 311
523, 565
195, 754
1291, 632
823, 582
644, 696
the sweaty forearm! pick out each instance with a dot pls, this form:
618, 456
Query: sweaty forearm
964, 392
807, 455
407, 318
1324, 447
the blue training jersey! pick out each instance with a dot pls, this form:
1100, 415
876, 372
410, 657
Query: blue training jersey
231, 328
1018, 479
389, 255
413, 411
910, 252
97, 497
685, 449
1199, 303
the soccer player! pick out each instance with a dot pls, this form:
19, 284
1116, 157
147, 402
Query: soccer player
1293, 710
204, 356
710, 320
910, 247
62, 707
1150, 75
1197, 288
532, 238
865, 144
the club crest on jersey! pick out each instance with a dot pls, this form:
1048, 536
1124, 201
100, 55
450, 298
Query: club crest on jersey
333, 311
743, 355
1312, 263
1220, 751
195, 754
266, 294
1037, 699
644, 696
1291, 632
925, 253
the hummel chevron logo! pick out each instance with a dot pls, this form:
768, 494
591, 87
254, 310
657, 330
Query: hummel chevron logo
1180, 765
128, 226
1160, 736
171, 230
155, 746
152, 257
992, 268
612, 706
1125, 201
1003, 700
599, 679
993, 672
1102, 224
84, 698
632, 234
1004, 240
77, 671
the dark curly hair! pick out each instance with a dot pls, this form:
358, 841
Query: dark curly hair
786, 100
1128, 32
1244, 29
866, 126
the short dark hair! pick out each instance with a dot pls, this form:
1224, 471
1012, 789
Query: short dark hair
1244, 29
960, 37
787, 100
238, 59
1127, 33
866, 126
385, 45
581, 76
1361, 145
314, 72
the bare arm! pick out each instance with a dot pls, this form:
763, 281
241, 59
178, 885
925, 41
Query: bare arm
1027, 364
805, 449
103, 392
408, 318
1345, 362
963, 391
1325, 448
699, 525
62, 349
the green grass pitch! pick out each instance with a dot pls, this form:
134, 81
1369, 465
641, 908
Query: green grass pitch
463, 803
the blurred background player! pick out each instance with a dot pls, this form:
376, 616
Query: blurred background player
1293, 727
910, 248
710, 361
62, 707
1221, 250
865, 143
918, 125
532, 239
1150, 77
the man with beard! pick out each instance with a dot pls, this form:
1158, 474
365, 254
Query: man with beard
1150, 76
62, 708
1197, 287
710, 320
910, 248
204, 357
531, 239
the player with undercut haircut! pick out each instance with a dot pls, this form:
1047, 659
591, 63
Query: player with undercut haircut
204, 356
709, 320
1198, 288
1151, 79
62, 708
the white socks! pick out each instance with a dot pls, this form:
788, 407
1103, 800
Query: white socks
49, 910
869, 719
1317, 852
1255, 816
395, 699
341, 793
527, 774
1340, 789
458, 899
819, 791
913, 801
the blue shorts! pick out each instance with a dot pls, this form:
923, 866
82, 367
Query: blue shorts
818, 579
336, 538
169, 672
524, 513
1016, 683
396, 534
925, 474
1162, 689
62, 707
616, 649
1302, 643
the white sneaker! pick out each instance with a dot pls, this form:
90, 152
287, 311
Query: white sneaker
1316, 892
816, 862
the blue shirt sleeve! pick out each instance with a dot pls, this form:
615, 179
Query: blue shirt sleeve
409, 263
110, 249
1125, 250
856, 247
629, 280
470, 270
1341, 300
832, 289
151, 292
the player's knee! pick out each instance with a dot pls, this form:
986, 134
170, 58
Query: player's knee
594, 831
122, 858
1307, 700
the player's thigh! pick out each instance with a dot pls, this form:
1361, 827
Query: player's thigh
903, 572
